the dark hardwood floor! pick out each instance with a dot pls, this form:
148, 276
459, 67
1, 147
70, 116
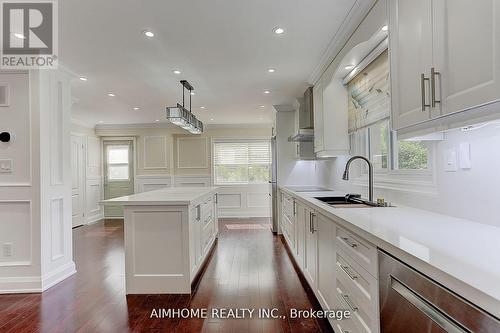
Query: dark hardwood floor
250, 268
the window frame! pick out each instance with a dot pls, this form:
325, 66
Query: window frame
247, 183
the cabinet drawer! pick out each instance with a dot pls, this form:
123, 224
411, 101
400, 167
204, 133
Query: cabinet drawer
362, 286
288, 204
207, 209
362, 319
344, 325
358, 249
289, 230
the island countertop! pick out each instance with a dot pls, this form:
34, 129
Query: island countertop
166, 196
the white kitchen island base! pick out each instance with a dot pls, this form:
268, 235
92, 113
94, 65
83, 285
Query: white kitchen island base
168, 236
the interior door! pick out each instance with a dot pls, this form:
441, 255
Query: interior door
410, 38
467, 56
118, 174
77, 180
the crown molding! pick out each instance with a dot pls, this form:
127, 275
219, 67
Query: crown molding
353, 19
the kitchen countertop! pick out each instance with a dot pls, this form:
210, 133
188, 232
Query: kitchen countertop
460, 254
166, 196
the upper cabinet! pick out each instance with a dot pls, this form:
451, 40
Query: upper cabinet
443, 57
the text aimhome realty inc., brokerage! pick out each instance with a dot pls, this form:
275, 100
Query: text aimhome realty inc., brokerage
29, 36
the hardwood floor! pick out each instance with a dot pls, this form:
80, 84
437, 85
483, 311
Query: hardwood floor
250, 268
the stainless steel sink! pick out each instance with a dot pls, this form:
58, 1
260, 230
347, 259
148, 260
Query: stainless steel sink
348, 201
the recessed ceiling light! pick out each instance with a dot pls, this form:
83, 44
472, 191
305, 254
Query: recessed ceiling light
192, 93
157, 120
111, 95
349, 67
271, 70
83, 78
100, 121
212, 119
176, 71
278, 30
385, 28
267, 92
135, 108
148, 33
19, 35
202, 107
262, 106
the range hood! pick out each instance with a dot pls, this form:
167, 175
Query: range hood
304, 119
303, 135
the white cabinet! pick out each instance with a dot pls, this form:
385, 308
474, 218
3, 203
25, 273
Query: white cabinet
331, 137
444, 58
311, 250
467, 52
325, 290
301, 221
410, 37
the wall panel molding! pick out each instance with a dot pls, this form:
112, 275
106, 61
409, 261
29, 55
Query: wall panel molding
150, 153
57, 228
16, 216
202, 153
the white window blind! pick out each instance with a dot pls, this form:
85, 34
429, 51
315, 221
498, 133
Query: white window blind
369, 94
118, 163
242, 162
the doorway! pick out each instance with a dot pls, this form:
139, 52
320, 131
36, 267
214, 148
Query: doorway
118, 173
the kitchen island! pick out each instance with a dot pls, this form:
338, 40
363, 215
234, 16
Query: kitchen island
169, 234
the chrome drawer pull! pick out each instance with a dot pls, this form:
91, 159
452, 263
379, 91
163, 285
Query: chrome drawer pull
351, 244
348, 272
353, 307
343, 330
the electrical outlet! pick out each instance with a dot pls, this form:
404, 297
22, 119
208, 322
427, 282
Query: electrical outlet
7, 249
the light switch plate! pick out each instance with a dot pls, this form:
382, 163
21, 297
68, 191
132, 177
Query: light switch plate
450, 160
5, 166
465, 160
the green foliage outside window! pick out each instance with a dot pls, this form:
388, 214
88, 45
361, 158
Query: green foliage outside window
412, 155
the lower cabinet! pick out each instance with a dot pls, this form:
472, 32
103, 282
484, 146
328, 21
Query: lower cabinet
203, 229
326, 285
337, 264
310, 269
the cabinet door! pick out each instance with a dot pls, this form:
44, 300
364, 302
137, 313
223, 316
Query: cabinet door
326, 262
467, 52
410, 38
311, 250
301, 222
318, 116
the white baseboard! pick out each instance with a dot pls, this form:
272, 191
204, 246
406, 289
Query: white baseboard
19, 285
58, 275
94, 219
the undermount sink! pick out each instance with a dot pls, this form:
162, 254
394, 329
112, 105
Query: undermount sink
348, 201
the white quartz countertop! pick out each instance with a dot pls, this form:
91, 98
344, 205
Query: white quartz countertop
457, 253
166, 196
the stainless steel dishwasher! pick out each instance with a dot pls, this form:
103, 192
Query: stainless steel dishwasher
412, 303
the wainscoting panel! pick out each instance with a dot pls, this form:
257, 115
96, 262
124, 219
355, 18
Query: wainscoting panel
192, 181
57, 228
145, 183
16, 230
244, 201
192, 153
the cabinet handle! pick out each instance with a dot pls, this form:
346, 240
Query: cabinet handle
348, 242
346, 298
348, 272
198, 212
422, 90
343, 330
434, 73
294, 208
312, 223
298, 153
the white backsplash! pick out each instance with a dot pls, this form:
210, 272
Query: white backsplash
471, 194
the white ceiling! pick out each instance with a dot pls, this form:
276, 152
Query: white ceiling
222, 47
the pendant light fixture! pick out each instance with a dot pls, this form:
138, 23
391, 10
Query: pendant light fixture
180, 116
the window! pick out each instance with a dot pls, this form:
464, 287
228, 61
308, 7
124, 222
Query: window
412, 155
242, 162
117, 158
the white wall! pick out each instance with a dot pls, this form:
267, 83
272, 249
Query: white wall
467, 193
170, 157
35, 199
